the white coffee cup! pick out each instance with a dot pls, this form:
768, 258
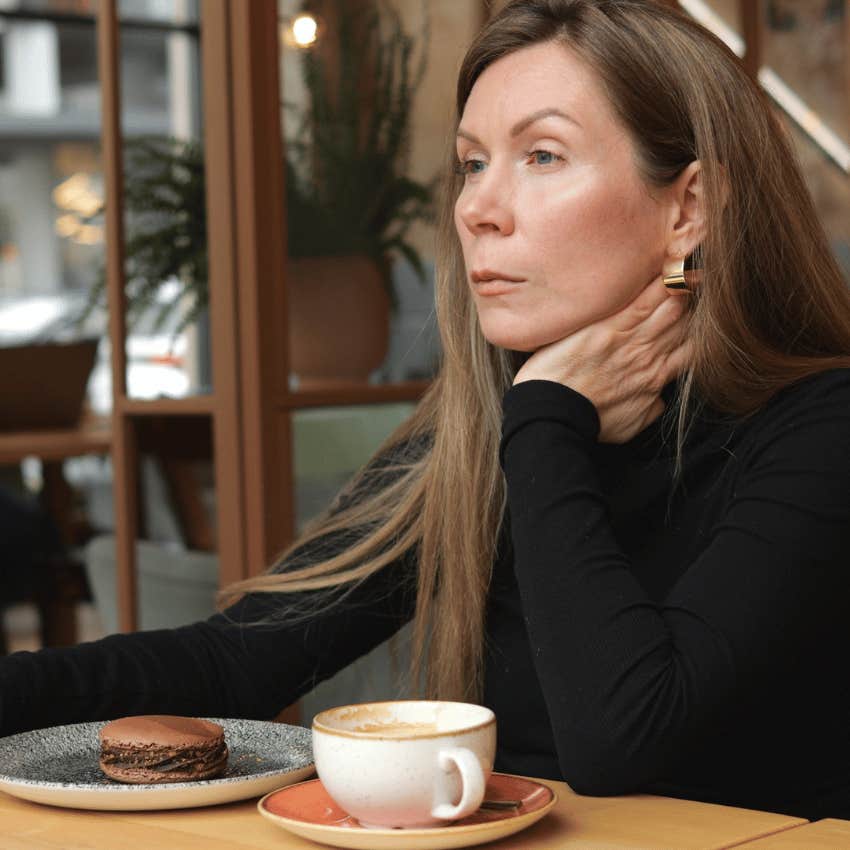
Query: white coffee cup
408, 763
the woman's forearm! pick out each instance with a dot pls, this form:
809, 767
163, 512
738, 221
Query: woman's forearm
631, 683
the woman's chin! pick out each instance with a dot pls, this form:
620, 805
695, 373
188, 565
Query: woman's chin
512, 341
528, 333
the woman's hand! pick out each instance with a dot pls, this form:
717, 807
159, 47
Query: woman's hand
621, 363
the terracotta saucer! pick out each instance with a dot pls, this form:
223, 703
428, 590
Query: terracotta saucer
307, 810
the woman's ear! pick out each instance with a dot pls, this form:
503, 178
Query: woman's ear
687, 211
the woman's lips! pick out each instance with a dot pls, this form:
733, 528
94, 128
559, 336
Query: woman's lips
496, 287
488, 282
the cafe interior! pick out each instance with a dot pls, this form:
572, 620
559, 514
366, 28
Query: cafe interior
197, 350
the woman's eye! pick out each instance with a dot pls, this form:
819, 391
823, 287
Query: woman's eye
470, 166
541, 157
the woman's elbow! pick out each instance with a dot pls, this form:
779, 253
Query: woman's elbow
596, 784
600, 769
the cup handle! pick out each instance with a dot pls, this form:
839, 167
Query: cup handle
472, 782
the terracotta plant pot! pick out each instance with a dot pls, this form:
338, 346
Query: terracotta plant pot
339, 315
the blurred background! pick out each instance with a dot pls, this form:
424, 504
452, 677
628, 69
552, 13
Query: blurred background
216, 275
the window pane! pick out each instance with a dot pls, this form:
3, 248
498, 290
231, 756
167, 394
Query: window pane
330, 444
50, 84
347, 190
165, 216
164, 11
84, 8
51, 187
51, 242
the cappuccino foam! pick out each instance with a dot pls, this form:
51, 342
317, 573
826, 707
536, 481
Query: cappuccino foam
396, 728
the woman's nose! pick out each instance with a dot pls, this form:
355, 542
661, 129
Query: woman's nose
485, 206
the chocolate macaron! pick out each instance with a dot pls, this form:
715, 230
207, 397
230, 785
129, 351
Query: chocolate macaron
162, 748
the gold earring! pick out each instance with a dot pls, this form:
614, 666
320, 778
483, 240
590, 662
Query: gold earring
674, 273
679, 276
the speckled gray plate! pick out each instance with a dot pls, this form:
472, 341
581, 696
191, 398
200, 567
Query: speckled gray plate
59, 766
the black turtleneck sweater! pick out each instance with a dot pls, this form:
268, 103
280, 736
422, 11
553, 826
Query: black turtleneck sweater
687, 640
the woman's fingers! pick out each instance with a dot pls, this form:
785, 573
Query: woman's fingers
678, 360
669, 314
666, 336
674, 364
653, 412
651, 297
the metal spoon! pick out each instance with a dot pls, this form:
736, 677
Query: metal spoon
500, 805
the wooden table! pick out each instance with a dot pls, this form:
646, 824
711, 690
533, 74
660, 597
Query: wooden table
52, 447
90, 437
637, 822
827, 834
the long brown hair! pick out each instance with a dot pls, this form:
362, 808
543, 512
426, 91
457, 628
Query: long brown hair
772, 308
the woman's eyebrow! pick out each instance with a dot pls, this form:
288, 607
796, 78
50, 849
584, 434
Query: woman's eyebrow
462, 134
524, 123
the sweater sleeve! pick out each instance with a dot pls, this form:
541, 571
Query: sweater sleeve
631, 684
249, 661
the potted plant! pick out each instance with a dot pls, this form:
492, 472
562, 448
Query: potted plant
349, 202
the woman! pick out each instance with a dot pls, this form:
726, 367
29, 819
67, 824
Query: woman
647, 602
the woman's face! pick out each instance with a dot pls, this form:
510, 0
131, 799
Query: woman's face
558, 230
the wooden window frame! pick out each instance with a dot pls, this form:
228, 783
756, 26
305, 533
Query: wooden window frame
250, 405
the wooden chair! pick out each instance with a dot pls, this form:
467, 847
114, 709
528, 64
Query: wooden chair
56, 582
